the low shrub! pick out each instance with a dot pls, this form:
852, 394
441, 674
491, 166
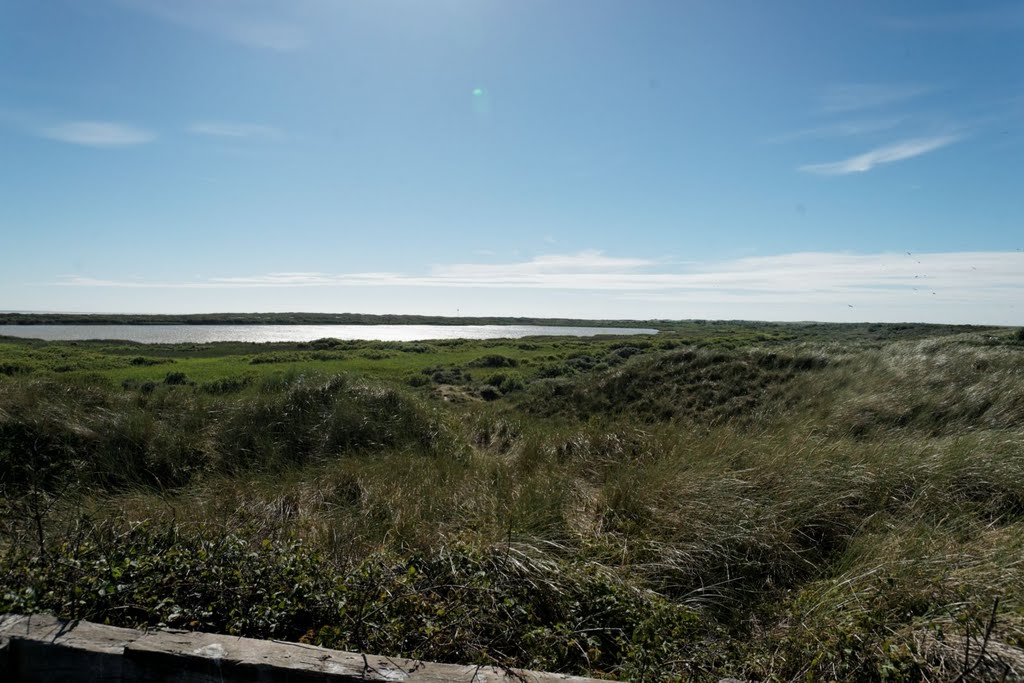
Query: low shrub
457, 604
226, 385
147, 362
494, 361
268, 359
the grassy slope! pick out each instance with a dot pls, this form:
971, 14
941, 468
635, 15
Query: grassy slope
824, 502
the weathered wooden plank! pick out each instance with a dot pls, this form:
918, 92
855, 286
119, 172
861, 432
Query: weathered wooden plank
42, 648
201, 657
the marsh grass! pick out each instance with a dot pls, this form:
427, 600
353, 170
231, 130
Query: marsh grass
814, 511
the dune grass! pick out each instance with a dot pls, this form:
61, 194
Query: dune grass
815, 509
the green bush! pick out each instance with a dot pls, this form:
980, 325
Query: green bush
226, 385
496, 379
11, 369
494, 361
147, 362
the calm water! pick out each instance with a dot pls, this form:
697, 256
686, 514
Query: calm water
198, 334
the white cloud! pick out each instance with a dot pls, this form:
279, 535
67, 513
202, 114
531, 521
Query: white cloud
898, 151
253, 24
866, 281
839, 129
97, 134
234, 130
847, 97
300, 280
964, 287
584, 262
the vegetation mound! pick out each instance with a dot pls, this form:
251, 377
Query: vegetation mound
165, 436
706, 385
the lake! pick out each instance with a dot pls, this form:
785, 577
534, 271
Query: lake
199, 334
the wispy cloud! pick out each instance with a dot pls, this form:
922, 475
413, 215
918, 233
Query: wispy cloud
585, 266
846, 97
249, 23
589, 261
235, 130
840, 129
830, 278
97, 134
906, 149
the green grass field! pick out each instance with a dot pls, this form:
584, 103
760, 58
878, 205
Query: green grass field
762, 501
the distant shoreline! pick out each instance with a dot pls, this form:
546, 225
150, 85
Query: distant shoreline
300, 319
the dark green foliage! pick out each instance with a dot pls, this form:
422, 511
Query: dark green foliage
581, 363
549, 371
176, 379
375, 355
494, 361
503, 383
510, 384
226, 385
11, 369
691, 384
326, 356
415, 348
457, 605
265, 359
439, 375
165, 436
141, 387
108, 439
313, 419
496, 379
146, 362
625, 352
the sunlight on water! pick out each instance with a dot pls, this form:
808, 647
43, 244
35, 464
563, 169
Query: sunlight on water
198, 334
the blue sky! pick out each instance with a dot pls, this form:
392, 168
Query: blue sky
787, 161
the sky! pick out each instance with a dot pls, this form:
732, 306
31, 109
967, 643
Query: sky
635, 159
